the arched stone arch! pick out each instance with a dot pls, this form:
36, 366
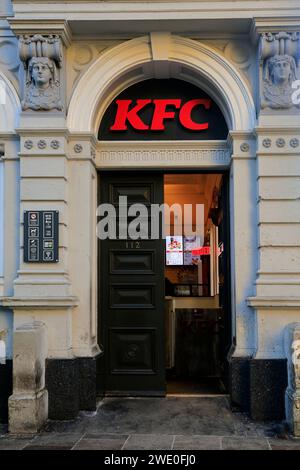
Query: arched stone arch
9, 115
10, 106
140, 59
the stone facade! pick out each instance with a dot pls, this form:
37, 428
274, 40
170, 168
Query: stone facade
60, 67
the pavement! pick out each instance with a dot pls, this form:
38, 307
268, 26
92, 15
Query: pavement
171, 423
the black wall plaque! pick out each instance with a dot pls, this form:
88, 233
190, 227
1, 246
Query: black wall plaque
41, 236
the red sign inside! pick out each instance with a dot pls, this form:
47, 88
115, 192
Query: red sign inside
205, 250
128, 114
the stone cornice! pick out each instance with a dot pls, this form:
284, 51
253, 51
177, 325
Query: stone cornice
34, 132
240, 135
277, 130
274, 302
44, 27
195, 16
45, 303
84, 136
274, 25
8, 136
247, 7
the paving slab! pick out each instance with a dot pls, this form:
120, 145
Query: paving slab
285, 444
149, 442
197, 443
242, 443
101, 442
54, 441
9, 443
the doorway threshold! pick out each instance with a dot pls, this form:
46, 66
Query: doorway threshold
196, 395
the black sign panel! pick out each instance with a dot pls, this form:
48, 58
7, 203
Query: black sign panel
177, 120
41, 236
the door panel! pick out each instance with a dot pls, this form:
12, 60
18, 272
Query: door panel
132, 294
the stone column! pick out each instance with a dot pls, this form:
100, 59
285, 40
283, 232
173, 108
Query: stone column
243, 262
43, 291
9, 209
28, 406
57, 173
277, 300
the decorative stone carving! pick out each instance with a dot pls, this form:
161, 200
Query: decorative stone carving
245, 147
42, 144
280, 142
42, 59
55, 144
78, 148
28, 144
294, 143
239, 53
280, 54
178, 157
267, 143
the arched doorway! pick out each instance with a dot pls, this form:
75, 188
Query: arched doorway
164, 317
145, 58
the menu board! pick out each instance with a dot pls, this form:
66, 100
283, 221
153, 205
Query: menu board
191, 243
174, 250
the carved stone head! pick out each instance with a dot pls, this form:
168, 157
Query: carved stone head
42, 86
279, 73
41, 72
281, 70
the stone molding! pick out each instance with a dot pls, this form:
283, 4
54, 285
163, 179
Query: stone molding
163, 153
273, 24
47, 27
84, 9
48, 303
274, 303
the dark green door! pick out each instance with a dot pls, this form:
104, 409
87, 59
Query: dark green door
132, 293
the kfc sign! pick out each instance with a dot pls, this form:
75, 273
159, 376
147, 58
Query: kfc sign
163, 109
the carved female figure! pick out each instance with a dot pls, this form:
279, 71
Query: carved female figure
280, 72
42, 85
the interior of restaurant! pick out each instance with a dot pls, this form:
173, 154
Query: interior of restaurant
195, 288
